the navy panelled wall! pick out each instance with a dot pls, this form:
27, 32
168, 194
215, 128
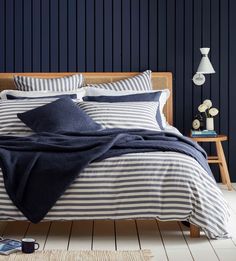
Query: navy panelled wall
130, 35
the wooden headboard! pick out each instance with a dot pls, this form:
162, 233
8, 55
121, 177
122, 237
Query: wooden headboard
160, 80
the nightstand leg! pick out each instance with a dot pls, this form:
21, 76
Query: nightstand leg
222, 174
223, 165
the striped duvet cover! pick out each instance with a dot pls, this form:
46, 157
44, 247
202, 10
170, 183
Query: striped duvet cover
162, 185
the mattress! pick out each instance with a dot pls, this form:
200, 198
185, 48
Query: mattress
161, 185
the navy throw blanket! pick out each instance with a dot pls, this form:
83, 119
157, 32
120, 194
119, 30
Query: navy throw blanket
38, 169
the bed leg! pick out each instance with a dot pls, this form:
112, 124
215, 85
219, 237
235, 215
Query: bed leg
194, 231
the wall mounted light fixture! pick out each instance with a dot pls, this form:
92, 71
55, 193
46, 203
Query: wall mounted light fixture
205, 67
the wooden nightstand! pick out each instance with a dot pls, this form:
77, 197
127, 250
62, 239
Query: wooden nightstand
220, 158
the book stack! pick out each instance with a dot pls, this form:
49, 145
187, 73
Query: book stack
204, 133
8, 246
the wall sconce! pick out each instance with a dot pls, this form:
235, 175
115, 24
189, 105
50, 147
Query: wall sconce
205, 67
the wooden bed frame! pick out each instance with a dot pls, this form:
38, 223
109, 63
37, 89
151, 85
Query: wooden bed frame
160, 80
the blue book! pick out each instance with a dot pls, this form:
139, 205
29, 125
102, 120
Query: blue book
8, 246
204, 133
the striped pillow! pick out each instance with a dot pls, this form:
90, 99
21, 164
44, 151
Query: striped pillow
10, 124
140, 82
165, 93
126, 115
62, 84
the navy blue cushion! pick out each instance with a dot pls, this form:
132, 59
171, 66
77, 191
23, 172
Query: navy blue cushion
13, 97
62, 115
139, 97
149, 96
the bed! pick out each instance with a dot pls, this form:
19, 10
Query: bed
160, 185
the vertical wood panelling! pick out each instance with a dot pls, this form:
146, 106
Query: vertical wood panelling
36, 36
143, 51
232, 89
27, 35
153, 32
135, 36
117, 40
99, 35
179, 58
205, 42
171, 36
162, 19
9, 34
2, 35
81, 39
170, 45
224, 70
130, 35
18, 41
63, 34
197, 43
45, 38
108, 32
54, 36
125, 35
188, 66
72, 17
214, 55
90, 41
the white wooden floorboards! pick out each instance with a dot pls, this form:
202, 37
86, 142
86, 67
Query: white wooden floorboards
58, 236
104, 235
2, 227
150, 238
126, 235
174, 241
81, 235
199, 247
16, 230
39, 232
167, 240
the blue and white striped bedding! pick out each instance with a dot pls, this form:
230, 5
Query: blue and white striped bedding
61, 84
139, 82
126, 115
10, 124
162, 185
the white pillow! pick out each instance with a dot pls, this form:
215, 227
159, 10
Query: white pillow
165, 93
31, 94
126, 115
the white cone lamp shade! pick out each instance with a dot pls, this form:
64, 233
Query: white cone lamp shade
205, 67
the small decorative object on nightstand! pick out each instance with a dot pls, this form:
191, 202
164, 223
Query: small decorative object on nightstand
206, 109
198, 122
220, 158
